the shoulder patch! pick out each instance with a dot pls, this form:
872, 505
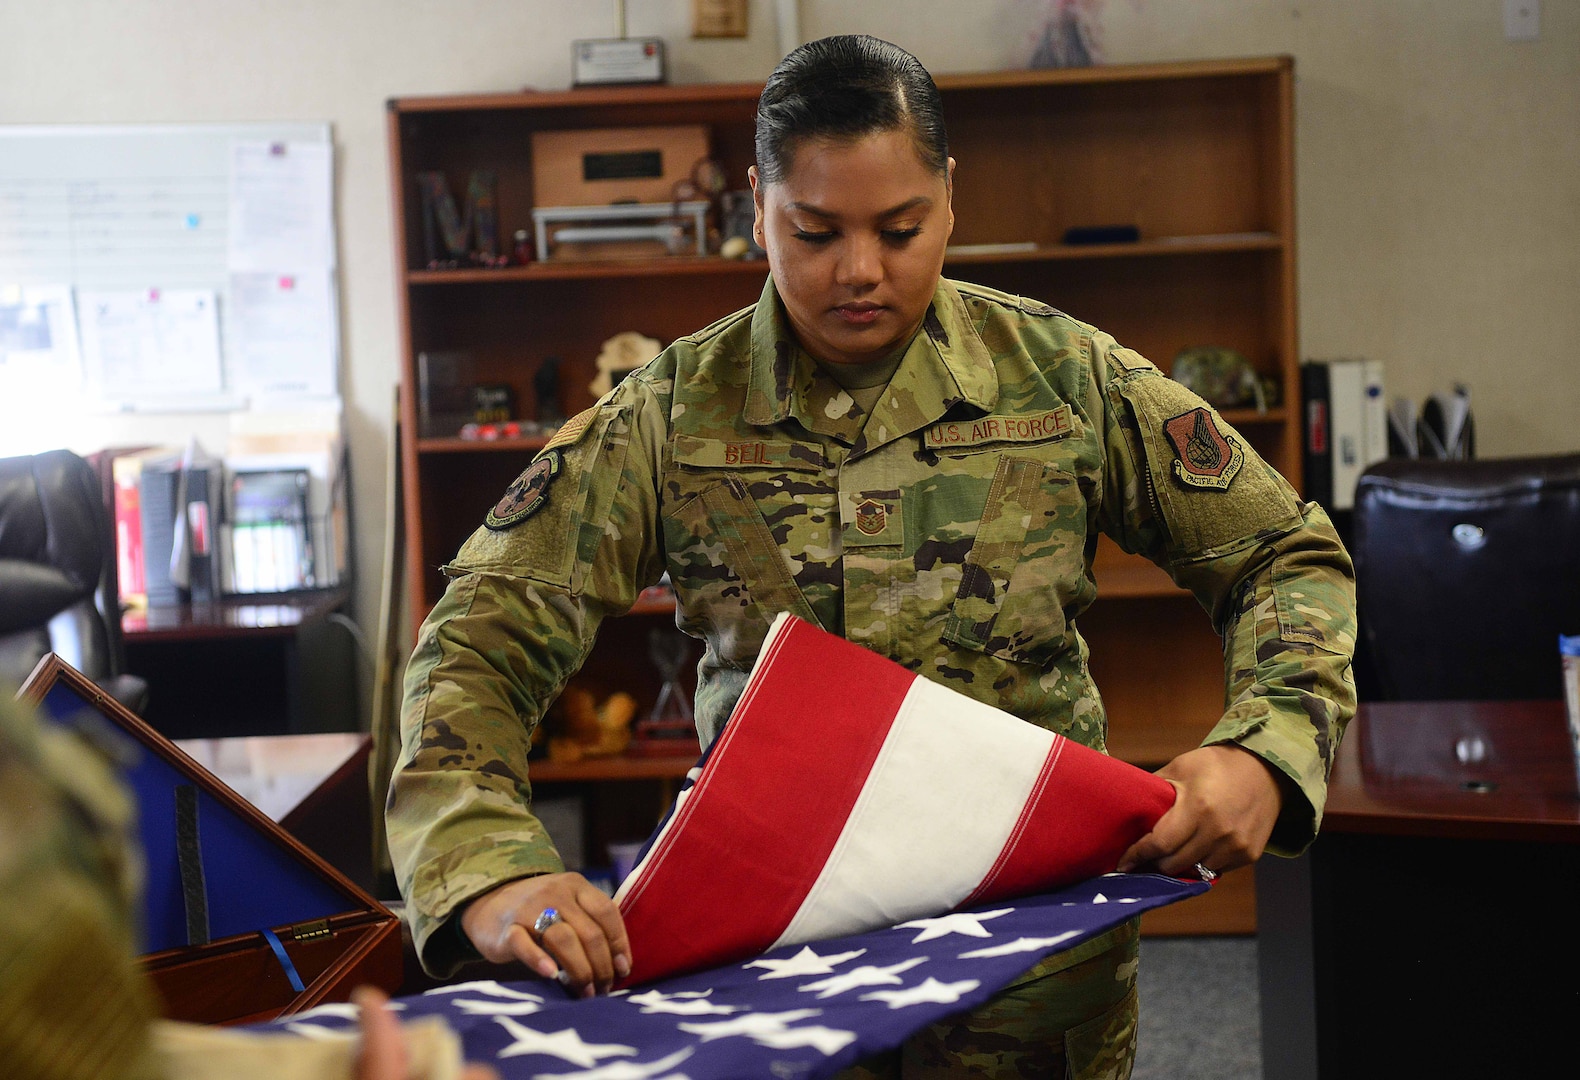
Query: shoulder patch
570, 431
1206, 457
1130, 360
1037, 307
1023, 304
526, 495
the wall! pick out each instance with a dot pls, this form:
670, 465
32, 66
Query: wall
1439, 204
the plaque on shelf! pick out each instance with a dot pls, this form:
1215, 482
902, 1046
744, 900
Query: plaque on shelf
603, 166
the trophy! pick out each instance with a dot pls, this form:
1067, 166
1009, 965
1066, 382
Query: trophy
670, 727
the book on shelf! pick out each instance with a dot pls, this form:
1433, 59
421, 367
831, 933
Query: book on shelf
194, 555
1346, 426
1317, 438
126, 476
157, 490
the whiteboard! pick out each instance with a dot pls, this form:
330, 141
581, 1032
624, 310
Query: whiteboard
105, 208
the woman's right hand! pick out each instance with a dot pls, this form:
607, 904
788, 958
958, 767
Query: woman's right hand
588, 942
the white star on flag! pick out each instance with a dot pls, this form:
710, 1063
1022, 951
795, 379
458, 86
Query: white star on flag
342, 1010
562, 1044
805, 962
750, 1025
476, 1007
317, 1031
773, 1029
863, 976
959, 923
688, 1003
1025, 944
482, 986
628, 1070
930, 991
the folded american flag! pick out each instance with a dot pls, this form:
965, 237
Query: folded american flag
847, 793
800, 1010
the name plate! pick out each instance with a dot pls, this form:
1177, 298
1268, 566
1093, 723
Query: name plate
1028, 428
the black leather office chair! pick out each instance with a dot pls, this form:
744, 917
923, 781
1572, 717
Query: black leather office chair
57, 574
1467, 572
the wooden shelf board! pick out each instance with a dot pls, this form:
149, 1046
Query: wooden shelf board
454, 444
1102, 73
1162, 247
579, 269
586, 97
1214, 243
671, 767
601, 97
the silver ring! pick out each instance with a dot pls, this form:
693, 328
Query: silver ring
548, 918
1209, 876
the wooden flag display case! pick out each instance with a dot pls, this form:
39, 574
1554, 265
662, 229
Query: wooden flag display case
240, 921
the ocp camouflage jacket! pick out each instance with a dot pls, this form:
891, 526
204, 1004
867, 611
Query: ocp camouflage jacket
952, 529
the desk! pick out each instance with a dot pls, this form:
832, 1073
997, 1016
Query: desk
314, 786
1430, 930
245, 665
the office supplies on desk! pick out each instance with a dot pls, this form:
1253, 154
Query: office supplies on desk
314, 510
270, 521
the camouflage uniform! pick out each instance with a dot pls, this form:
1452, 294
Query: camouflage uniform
952, 529
73, 1002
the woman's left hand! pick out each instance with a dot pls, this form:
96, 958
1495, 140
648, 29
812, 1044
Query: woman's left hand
1226, 803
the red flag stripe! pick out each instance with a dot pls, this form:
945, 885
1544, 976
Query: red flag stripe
777, 793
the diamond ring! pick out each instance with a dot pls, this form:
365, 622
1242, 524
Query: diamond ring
549, 917
1209, 876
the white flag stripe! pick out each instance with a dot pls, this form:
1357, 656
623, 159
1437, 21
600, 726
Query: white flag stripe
937, 808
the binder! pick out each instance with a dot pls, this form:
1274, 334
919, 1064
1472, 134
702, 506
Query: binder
200, 486
157, 496
1375, 441
1317, 445
126, 476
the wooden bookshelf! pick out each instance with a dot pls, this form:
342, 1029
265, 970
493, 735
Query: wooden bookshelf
1197, 156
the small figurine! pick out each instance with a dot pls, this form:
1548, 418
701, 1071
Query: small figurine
622, 353
591, 728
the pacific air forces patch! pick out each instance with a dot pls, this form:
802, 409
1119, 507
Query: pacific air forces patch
1205, 456
526, 494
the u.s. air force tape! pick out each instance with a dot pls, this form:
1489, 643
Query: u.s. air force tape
526, 494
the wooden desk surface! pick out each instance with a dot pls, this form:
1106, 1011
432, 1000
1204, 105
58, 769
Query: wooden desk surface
1457, 769
277, 773
233, 616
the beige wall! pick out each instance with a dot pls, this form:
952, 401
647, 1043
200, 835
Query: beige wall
1438, 187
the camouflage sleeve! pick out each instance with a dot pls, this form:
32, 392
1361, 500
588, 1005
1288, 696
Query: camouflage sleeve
74, 1003
572, 540
1185, 489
